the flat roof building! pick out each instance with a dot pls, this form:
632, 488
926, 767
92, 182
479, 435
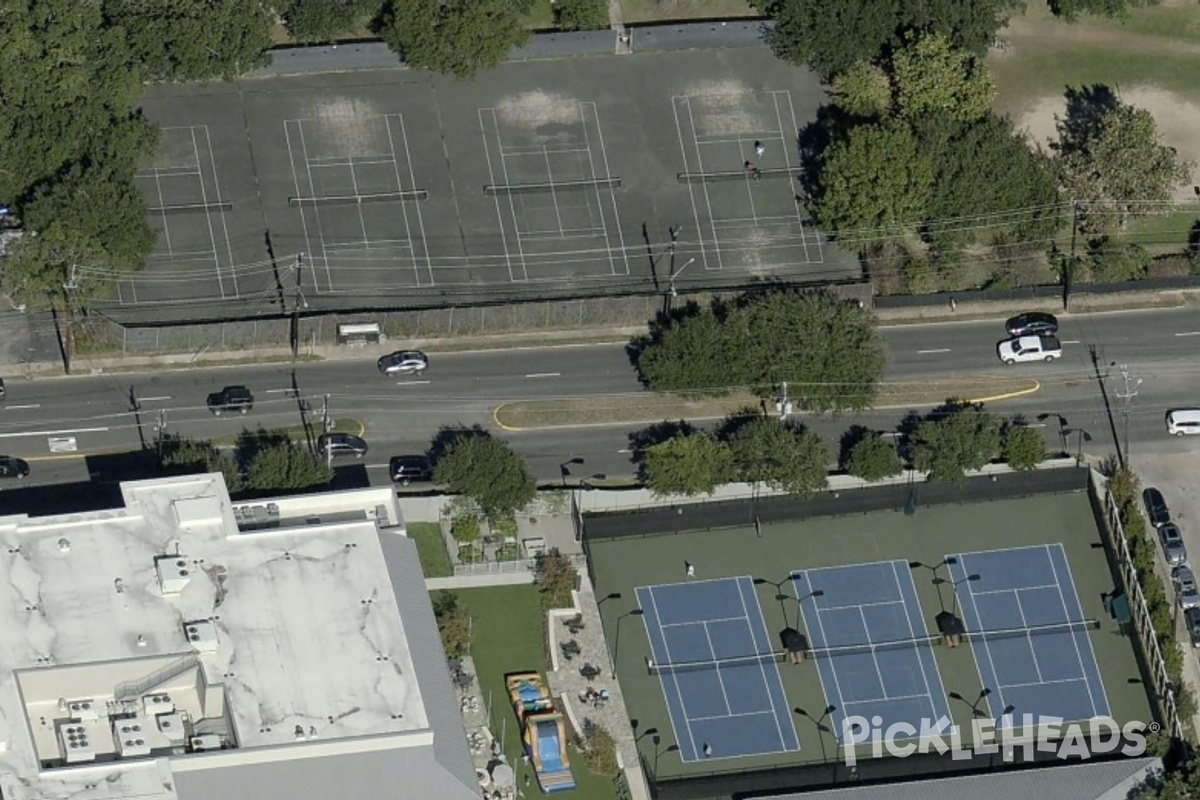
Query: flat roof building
188, 647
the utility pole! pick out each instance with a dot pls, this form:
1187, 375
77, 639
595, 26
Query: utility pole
325, 429
161, 426
1069, 267
783, 405
68, 337
1131, 391
296, 300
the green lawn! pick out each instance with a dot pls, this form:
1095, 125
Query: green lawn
508, 631
541, 16
1170, 22
431, 547
1166, 232
683, 10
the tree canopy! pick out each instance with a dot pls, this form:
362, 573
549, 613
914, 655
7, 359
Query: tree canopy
690, 463
459, 37
780, 455
873, 458
930, 76
825, 347
326, 20
955, 439
1023, 447
486, 470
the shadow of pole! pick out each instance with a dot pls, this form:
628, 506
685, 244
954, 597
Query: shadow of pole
1112, 422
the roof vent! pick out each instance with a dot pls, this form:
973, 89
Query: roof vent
205, 742
74, 743
155, 704
202, 634
173, 573
64, 545
171, 726
130, 737
84, 710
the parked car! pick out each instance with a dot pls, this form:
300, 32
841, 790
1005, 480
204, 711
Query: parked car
11, 467
1156, 506
1187, 593
231, 400
1183, 421
1029, 348
1191, 620
332, 445
403, 362
410, 469
1172, 544
1034, 323
1, 388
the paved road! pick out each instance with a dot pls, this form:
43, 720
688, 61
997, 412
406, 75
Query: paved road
43, 418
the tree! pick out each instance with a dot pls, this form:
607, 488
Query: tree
600, 751
931, 76
459, 37
863, 90
281, 464
875, 177
1071, 9
314, 21
486, 470
195, 40
581, 15
873, 458
783, 456
1113, 261
953, 440
1022, 447
829, 35
688, 464
465, 529
555, 575
1111, 161
453, 622
826, 348
970, 25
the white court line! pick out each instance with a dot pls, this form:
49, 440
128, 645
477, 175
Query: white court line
212, 234
1029, 634
799, 209
662, 624
912, 633
296, 182
675, 103
1045, 683
553, 191
728, 716
18, 408
544, 375
841, 703
412, 180
704, 186
662, 676
512, 203
874, 656
508, 258
1017, 589
864, 605
349, 161
362, 221
712, 651
162, 203
612, 197
987, 651
51, 433
312, 191
221, 214
762, 666
1189, 333
1075, 634
934, 350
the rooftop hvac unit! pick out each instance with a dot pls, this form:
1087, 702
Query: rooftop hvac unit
202, 634
74, 743
85, 710
155, 704
171, 727
173, 573
205, 742
131, 737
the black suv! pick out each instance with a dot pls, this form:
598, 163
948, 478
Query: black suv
231, 400
1034, 323
409, 469
1156, 507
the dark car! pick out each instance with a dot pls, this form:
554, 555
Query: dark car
231, 400
1, 388
1172, 544
1156, 507
332, 445
410, 469
1035, 323
11, 467
403, 362
1191, 620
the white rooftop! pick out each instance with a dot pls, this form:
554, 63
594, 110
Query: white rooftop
134, 640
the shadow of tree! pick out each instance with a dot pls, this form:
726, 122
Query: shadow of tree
657, 433
447, 435
1081, 122
853, 435
658, 326
811, 143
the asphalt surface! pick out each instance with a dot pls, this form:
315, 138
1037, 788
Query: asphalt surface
61, 425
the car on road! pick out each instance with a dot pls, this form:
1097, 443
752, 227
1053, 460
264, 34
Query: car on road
1187, 593
1, 388
1029, 348
332, 445
1156, 506
1172, 544
403, 362
11, 467
1191, 621
1034, 323
231, 400
1182, 421
410, 469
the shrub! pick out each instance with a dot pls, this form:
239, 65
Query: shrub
599, 750
581, 15
873, 458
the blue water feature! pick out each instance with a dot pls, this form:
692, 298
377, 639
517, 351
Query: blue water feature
548, 748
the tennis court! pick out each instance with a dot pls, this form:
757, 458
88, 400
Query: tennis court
1051, 670
873, 653
717, 669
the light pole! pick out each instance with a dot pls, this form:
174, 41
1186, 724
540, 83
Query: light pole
954, 584
633, 612
819, 722
675, 274
976, 711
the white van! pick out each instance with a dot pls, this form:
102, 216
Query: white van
1183, 420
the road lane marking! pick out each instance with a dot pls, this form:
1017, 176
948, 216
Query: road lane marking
938, 350
411, 383
155, 399
62, 444
623, 452
1189, 333
52, 433
274, 391
544, 375
1071, 341
27, 405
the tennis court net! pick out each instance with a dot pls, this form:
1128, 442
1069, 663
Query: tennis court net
718, 665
